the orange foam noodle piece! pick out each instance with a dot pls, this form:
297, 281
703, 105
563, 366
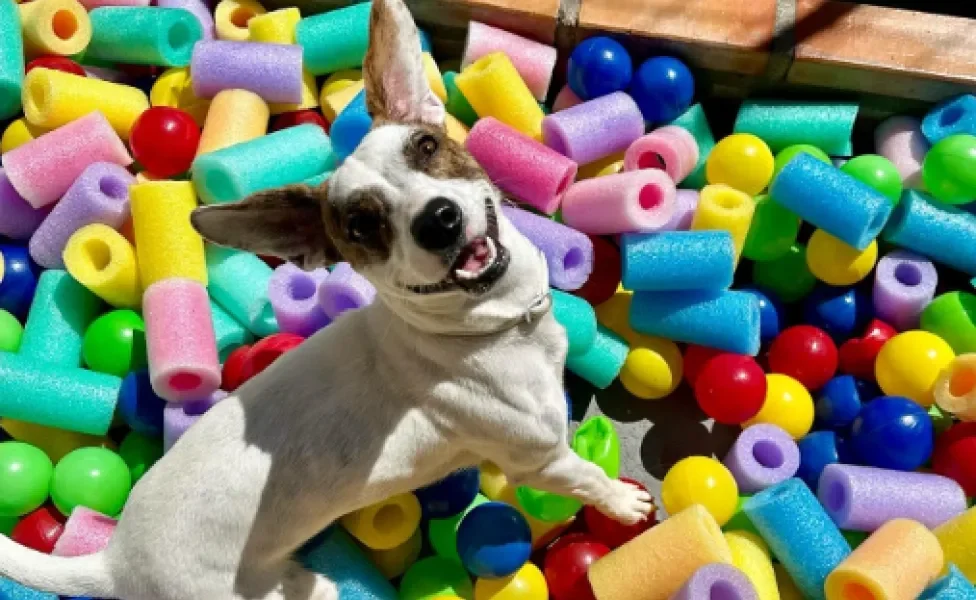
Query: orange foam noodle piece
238, 116
494, 88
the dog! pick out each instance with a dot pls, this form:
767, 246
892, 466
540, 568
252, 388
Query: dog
458, 360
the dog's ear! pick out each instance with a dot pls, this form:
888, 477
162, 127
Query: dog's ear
285, 222
393, 71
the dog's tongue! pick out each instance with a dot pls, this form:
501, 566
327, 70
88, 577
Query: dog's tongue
478, 256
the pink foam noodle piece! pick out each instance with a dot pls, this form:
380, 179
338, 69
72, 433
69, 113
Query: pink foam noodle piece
343, 290
43, 169
18, 219
177, 418
629, 202
531, 172
670, 148
86, 532
535, 62
197, 8
592, 130
569, 253
717, 581
566, 98
900, 140
272, 71
293, 294
180, 340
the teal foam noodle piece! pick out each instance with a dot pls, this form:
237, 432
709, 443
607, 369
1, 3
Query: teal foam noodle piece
336, 39
601, 362
60, 313
335, 555
696, 123
143, 35
579, 319
14, 591
953, 586
11, 59
784, 123
228, 331
239, 284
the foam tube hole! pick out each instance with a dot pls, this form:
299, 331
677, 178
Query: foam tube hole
240, 17
728, 201
388, 518
301, 287
768, 454
180, 36
856, 591
650, 197
64, 24
908, 274
113, 188
962, 382
950, 116
836, 498
877, 223
344, 302
185, 382
573, 259
723, 590
98, 253
651, 160
38, 96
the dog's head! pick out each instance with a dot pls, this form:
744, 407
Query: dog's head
410, 209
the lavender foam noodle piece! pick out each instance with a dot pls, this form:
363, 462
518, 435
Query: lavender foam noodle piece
714, 581
272, 71
293, 296
685, 205
18, 219
99, 195
178, 417
198, 9
904, 284
594, 129
344, 289
569, 253
762, 456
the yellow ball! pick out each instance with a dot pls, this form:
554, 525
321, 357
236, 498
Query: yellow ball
527, 583
910, 363
788, 405
653, 370
835, 263
700, 480
608, 165
742, 161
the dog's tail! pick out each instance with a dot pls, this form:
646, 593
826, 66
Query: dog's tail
77, 576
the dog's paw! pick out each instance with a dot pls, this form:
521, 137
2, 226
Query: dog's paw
627, 503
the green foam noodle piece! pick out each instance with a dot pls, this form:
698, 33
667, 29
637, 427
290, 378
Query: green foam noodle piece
229, 332
239, 284
696, 123
60, 313
335, 40
578, 317
11, 59
456, 103
952, 317
601, 363
784, 123
143, 35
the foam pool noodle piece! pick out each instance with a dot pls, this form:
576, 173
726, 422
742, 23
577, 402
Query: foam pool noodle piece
952, 317
275, 27
762, 456
799, 533
102, 260
785, 123
335, 102
394, 562
670, 148
336, 39
335, 555
655, 564
18, 133
696, 123
951, 117
956, 537
951, 587
569, 253
900, 140
58, 27
351, 126
600, 364
10, 590
595, 129
723, 207
628, 202
832, 200
904, 284
870, 567
99, 195
751, 556
231, 18
685, 206
86, 532
228, 331
717, 579
677, 260
11, 60
60, 313
535, 62
344, 289
944, 233
494, 88
174, 88
200, 11
293, 294
42, 170
277, 159
239, 283
456, 103
143, 35
578, 318
179, 417
235, 117
272, 71
20, 219
726, 320
166, 243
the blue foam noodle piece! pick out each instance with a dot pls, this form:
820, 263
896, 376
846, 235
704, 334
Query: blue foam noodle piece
678, 260
601, 362
953, 586
954, 116
941, 232
239, 284
10, 590
351, 126
335, 555
727, 320
579, 319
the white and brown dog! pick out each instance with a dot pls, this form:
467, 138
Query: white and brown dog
458, 360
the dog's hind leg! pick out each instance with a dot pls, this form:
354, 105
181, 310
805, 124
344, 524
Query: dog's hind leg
302, 584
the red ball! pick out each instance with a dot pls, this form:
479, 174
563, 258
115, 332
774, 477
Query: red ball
806, 354
56, 63
265, 352
40, 529
731, 388
605, 278
694, 361
609, 531
567, 563
299, 117
954, 456
231, 373
857, 355
164, 140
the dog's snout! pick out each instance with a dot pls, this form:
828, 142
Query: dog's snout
438, 226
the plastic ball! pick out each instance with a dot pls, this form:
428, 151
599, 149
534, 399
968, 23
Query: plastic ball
139, 405
788, 405
770, 319
231, 372
115, 343
857, 356
451, 495
817, 450
789, 153
953, 456
949, 169
742, 161
840, 401
695, 359
19, 280
164, 140
653, 369
731, 388
95, 478
892, 432
140, 452
787, 278
266, 351
599, 66
806, 354
663, 88
835, 263
567, 563
56, 63
435, 577
11, 332
610, 531
442, 533
527, 583
39, 530
25, 478
546, 506
910, 363
494, 540
596, 441
772, 232
877, 172
605, 277
838, 311
700, 480
299, 117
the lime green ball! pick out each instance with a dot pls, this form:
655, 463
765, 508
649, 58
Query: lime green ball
547, 506
25, 478
7, 525
442, 533
877, 172
787, 154
140, 452
435, 577
115, 343
772, 232
949, 169
10, 332
787, 277
96, 478
739, 520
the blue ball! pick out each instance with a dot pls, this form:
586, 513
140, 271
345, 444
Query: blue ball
841, 312
19, 280
839, 403
892, 432
451, 495
494, 540
770, 321
817, 450
663, 88
599, 66
139, 406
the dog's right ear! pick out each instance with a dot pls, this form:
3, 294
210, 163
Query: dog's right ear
285, 222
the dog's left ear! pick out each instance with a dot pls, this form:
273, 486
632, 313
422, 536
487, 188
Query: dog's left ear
393, 71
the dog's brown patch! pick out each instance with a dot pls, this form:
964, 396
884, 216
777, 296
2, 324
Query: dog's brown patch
361, 227
430, 151
382, 39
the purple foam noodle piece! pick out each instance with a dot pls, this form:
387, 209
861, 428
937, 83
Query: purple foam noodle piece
593, 130
272, 71
865, 498
762, 456
344, 289
904, 284
99, 195
178, 417
685, 205
18, 219
717, 581
198, 9
293, 296
569, 253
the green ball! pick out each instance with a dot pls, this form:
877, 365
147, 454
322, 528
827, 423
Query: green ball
952, 317
789, 153
96, 478
140, 452
7, 525
25, 478
949, 169
739, 520
442, 533
115, 343
10, 332
854, 538
547, 506
434, 577
877, 172
773, 230
597, 441
787, 277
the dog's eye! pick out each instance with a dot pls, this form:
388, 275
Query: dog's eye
427, 144
361, 226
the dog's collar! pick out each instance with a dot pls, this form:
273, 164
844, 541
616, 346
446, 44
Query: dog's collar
541, 304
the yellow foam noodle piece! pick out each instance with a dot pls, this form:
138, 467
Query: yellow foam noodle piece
174, 88
166, 243
387, 524
495, 487
724, 207
455, 129
494, 88
54, 98
18, 133
231, 19
340, 80
146, 176
955, 389
394, 562
608, 165
310, 97
275, 27
787, 587
238, 116
655, 564
897, 562
335, 102
54, 442
60, 27
957, 537
102, 260
614, 314
751, 556
434, 77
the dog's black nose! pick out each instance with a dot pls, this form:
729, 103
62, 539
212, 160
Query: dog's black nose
438, 226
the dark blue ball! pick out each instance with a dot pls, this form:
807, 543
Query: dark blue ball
139, 406
839, 403
569, 407
892, 432
599, 66
451, 495
841, 312
19, 280
817, 450
663, 88
770, 321
494, 540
